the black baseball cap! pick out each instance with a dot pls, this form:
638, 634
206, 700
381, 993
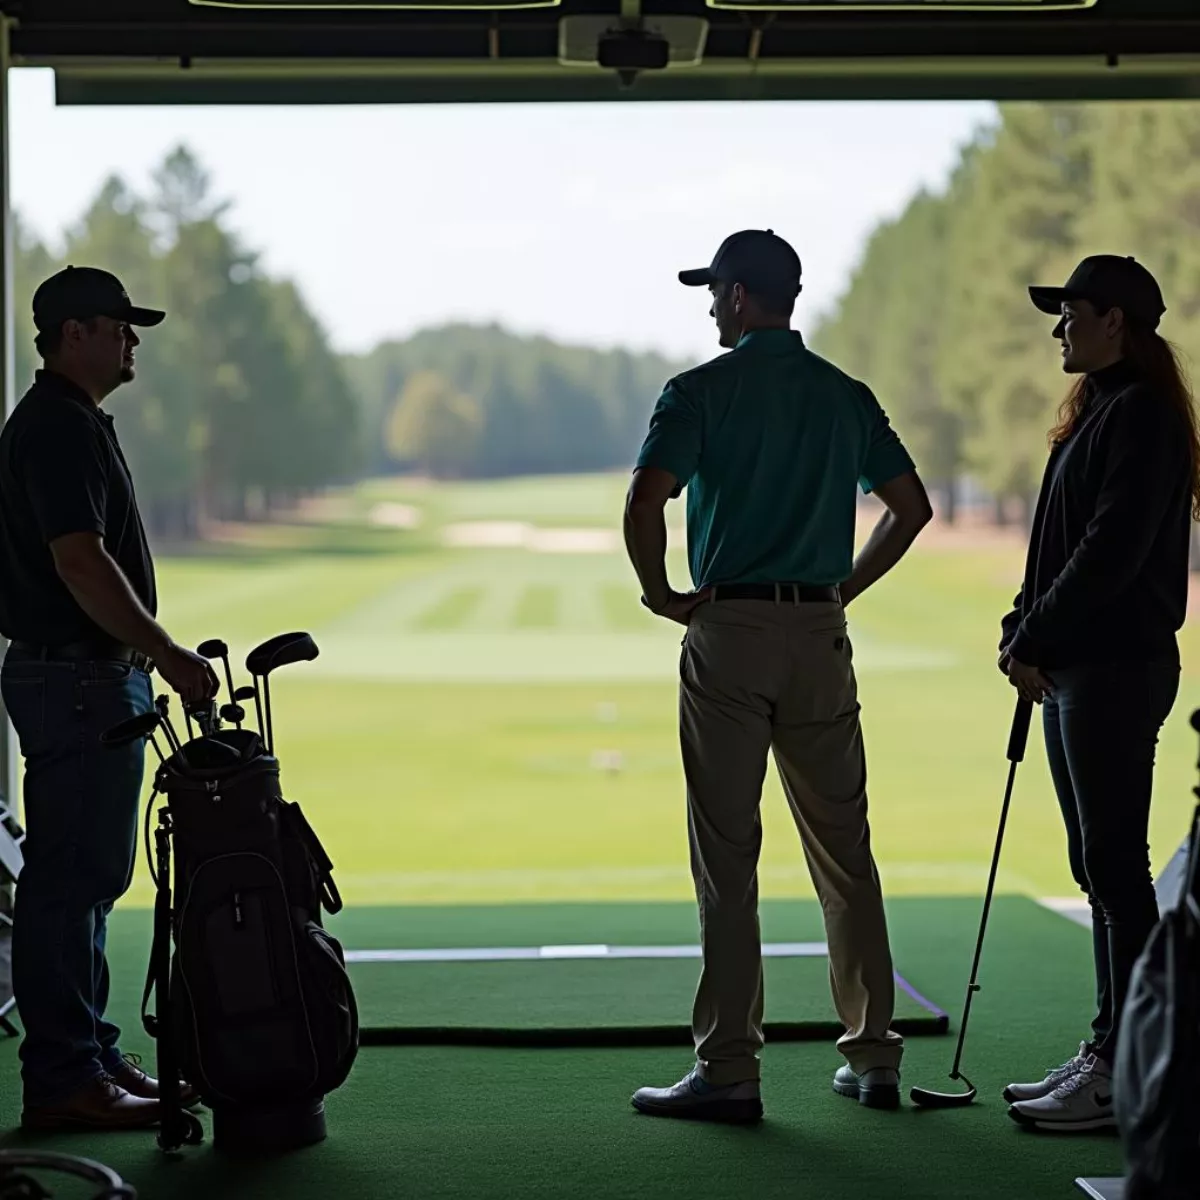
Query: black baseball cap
1108, 281
78, 293
759, 259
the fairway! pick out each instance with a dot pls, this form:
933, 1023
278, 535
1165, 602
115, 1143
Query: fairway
492, 717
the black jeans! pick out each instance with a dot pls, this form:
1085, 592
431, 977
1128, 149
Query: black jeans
1101, 729
80, 817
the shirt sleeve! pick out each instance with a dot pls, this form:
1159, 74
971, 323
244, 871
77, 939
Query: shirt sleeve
1010, 622
1145, 454
66, 471
674, 439
886, 458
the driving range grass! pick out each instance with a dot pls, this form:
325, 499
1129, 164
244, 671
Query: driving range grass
497, 723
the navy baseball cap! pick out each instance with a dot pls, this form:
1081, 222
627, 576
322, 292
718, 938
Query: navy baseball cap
79, 293
759, 259
1108, 281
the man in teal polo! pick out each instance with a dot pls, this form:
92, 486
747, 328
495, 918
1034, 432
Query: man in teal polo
772, 443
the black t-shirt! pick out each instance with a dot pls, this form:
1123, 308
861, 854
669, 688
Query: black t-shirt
62, 471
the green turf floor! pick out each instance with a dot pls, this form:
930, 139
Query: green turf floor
573, 1001
469, 1122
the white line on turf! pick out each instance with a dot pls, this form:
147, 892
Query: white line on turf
1070, 907
558, 953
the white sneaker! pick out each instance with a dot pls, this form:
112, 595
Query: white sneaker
1082, 1103
1035, 1091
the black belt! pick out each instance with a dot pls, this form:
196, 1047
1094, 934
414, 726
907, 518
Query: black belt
86, 651
785, 593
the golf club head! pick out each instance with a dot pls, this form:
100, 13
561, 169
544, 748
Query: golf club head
213, 648
244, 693
122, 734
204, 713
234, 713
281, 651
925, 1098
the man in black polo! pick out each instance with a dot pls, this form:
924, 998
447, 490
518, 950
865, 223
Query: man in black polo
77, 605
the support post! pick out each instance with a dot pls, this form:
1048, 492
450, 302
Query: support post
10, 756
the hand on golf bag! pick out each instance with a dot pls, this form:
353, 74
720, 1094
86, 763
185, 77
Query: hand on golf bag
254, 1007
189, 675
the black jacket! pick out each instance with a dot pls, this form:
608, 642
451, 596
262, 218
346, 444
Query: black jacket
1106, 577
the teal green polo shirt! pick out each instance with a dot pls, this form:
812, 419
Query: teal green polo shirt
772, 443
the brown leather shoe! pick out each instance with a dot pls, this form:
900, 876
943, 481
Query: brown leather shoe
100, 1104
136, 1082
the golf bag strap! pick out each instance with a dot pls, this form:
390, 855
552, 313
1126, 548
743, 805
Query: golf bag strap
160, 945
1191, 884
330, 896
161, 942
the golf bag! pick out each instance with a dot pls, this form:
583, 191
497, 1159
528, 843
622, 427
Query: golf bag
1158, 1053
254, 1007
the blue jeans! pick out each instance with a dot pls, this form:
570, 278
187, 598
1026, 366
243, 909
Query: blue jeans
80, 818
1101, 729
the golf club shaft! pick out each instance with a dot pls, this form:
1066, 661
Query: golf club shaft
229, 679
172, 736
267, 705
1016, 752
258, 708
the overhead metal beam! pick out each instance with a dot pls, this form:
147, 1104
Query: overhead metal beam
173, 29
512, 80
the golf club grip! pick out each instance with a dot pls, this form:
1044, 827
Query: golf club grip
1019, 736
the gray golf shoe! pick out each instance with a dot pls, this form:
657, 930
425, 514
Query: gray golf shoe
877, 1088
692, 1098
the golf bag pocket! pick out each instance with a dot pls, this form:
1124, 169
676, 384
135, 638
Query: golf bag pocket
331, 1005
244, 1026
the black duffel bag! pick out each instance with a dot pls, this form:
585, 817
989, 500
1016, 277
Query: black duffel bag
1155, 1097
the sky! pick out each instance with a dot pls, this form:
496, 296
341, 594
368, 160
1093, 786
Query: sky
565, 220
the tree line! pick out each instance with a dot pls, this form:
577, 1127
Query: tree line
241, 406
937, 317
470, 401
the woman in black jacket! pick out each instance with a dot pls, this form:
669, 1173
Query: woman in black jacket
1092, 634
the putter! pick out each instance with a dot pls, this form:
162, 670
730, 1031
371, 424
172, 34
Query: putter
279, 651
924, 1097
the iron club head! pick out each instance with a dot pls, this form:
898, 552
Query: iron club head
927, 1098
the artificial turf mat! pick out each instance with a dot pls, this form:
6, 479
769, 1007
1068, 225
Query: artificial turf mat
438, 1121
581, 1002
626, 1002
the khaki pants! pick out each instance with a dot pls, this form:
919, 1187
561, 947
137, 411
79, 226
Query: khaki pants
758, 676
